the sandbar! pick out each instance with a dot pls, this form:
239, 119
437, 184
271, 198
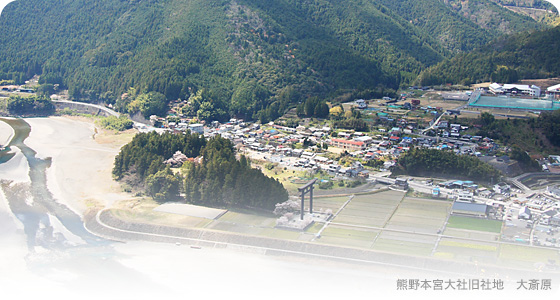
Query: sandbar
80, 174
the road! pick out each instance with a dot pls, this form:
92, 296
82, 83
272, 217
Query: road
100, 107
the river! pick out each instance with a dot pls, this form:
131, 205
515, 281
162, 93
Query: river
36, 214
48, 252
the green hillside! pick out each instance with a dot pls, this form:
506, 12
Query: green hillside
493, 16
249, 58
523, 56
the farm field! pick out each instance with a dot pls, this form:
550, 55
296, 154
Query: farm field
370, 210
475, 224
420, 215
386, 221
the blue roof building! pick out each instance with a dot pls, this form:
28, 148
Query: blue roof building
470, 209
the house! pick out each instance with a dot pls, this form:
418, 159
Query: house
370, 155
395, 131
464, 196
555, 220
401, 183
394, 139
333, 168
307, 155
367, 140
196, 128
443, 124
502, 188
525, 213
455, 127
297, 152
361, 103
344, 135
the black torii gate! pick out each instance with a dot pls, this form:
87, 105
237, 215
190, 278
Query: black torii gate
307, 188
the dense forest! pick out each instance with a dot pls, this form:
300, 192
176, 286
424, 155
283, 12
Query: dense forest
492, 15
538, 4
549, 123
217, 179
247, 58
30, 106
433, 162
222, 180
521, 56
146, 153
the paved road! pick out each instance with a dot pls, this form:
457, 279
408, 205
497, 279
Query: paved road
103, 108
140, 126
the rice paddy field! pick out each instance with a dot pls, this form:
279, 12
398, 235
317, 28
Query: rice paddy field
420, 215
475, 224
387, 221
370, 210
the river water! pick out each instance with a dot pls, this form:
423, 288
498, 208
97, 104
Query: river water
33, 204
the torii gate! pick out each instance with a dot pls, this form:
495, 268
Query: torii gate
308, 187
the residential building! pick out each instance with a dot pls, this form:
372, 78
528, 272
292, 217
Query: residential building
502, 188
347, 144
401, 183
525, 213
196, 128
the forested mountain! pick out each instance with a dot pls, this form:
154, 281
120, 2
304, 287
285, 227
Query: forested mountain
491, 15
538, 4
248, 58
526, 55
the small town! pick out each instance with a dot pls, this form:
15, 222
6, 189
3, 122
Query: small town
530, 215
350, 158
280, 149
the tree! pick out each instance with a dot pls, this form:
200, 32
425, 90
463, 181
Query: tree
486, 119
321, 110
163, 186
336, 112
153, 103
33, 105
431, 162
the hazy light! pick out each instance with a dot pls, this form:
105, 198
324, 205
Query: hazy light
556, 3
3, 3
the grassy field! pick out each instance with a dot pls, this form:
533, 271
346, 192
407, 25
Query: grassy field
324, 203
404, 247
349, 233
370, 210
475, 224
469, 245
529, 254
420, 215
472, 234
